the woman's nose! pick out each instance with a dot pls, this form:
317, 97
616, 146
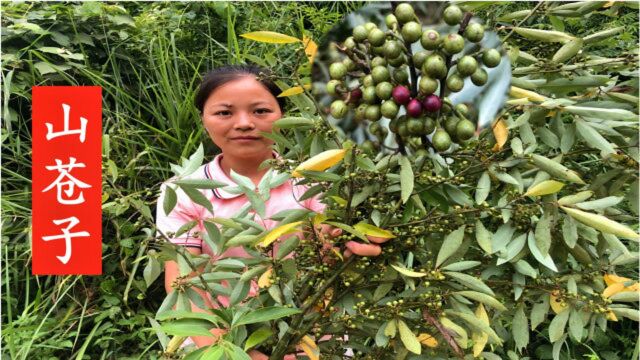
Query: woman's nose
244, 121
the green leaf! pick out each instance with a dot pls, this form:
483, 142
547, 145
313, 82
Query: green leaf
557, 326
212, 353
185, 227
539, 312
524, 268
483, 298
258, 337
483, 236
593, 137
188, 314
569, 231
212, 236
168, 302
265, 314
556, 169
544, 260
408, 338
348, 229
603, 203
461, 265
632, 314
151, 271
197, 197
170, 200
602, 113
476, 323
257, 203
470, 282
520, 328
293, 122
187, 327
450, 245
543, 234
320, 175
239, 292
242, 180
200, 183
575, 325
287, 246
406, 179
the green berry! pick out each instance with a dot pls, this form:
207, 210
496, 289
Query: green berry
415, 126
349, 64
429, 125
378, 61
339, 109
360, 112
453, 44
479, 77
332, 87
427, 85
370, 26
450, 125
390, 20
376, 37
380, 74
372, 113
404, 12
399, 61
452, 15
491, 58
350, 43
401, 75
402, 129
369, 95
467, 65
367, 80
392, 49
411, 32
389, 109
430, 40
441, 140
462, 109
465, 129
419, 57
360, 33
474, 32
383, 90
435, 66
337, 71
455, 83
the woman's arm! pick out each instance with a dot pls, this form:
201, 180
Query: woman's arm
171, 272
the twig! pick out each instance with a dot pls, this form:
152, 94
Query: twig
445, 333
522, 21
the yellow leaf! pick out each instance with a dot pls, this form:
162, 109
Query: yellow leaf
601, 223
274, 234
270, 37
369, 229
480, 339
501, 133
321, 162
427, 340
340, 201
519, 93
556, 304
310, 48
611, 316
517, 102
545, 188
265, 279
292, 91
319, 218
407, 272
335, 251
612, 290
310, 348
611, 279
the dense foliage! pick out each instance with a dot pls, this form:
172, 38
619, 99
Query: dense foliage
479, 252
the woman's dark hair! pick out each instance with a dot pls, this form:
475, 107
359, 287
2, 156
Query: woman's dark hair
222, 75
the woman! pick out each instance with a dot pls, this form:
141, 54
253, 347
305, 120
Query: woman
237, 103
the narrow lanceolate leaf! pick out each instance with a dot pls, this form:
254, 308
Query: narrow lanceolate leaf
406, 272
293, 122
310, 348
544, 35
544, 260
480, 338
391, 328
545, 188
274, 234
406, 179
556, 169
476, 324
539, 312
501, 133
265, 314
372, 230
470, 282
270, 37
603, 203
543, 234
296, 90
408, 338
593, 137
187, 327
568, 50
519, 93
170, 200
321, 162
602, 113
602, 223
483, 188
197, 197
520, 328
483, 236
482, 298
557, 326
575, 198
450, 245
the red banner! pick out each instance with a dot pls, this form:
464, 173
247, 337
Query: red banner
66, 177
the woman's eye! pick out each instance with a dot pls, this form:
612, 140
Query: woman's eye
223, 113
263, 111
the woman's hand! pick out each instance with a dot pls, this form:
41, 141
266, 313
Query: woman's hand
257, 355
353, 247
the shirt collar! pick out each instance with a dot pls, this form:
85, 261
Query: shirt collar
213, 170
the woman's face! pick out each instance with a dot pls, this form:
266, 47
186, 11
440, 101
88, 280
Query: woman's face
235, 114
